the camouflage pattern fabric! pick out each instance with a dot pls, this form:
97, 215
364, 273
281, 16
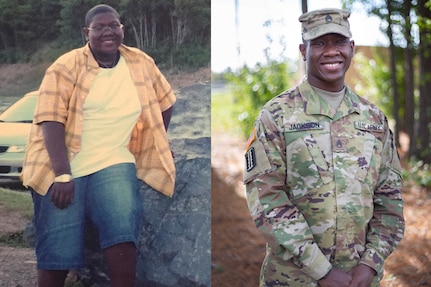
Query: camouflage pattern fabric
324, 21
323, 186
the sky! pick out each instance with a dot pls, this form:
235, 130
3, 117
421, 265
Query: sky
232, 45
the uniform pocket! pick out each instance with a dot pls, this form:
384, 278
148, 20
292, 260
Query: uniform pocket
308, 169
364, 160
319, 159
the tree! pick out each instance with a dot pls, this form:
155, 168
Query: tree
399, 18
174, 32
142, 19
424, 14
19, 33
253, 87
409, 79
392, 58
177, 30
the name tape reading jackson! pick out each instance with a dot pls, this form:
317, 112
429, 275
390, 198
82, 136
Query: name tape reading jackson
305, 126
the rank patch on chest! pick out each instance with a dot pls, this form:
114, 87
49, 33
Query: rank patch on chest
339, 144
250, 159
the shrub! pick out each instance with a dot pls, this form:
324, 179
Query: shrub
252, 88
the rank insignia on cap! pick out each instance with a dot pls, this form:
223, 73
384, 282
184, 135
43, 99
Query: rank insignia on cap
250, 159
325, 21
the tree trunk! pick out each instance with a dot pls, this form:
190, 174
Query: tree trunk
394, 84
4, 40
153, 31
425, 82
135, 34
409, 117
142, 30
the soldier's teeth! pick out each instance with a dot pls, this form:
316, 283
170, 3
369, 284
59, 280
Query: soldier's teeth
332, 65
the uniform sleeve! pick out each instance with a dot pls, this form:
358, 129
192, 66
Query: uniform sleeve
386, 228
284, 227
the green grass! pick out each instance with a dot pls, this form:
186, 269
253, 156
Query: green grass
223, 113
17, 201
13, 239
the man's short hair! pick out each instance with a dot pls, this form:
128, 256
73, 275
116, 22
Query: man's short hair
98, 9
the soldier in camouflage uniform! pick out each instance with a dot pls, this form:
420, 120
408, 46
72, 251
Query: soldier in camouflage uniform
322, 173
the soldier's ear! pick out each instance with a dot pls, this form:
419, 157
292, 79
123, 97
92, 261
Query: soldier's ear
352, 44
303, 50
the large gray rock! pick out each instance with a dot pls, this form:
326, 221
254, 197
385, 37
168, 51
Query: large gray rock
175, 245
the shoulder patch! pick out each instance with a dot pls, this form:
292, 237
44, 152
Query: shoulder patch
256, 161
251, 138
250, 159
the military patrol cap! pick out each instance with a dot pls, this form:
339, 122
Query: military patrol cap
325, 21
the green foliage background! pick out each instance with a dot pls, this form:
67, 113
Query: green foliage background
176, 33
251, 88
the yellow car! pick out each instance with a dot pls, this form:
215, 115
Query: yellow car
15, 124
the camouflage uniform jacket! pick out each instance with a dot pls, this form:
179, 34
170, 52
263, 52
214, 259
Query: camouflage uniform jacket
323, 186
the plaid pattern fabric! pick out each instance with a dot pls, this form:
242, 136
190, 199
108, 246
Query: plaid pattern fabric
61, 97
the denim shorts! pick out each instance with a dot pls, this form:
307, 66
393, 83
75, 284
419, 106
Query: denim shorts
110, 198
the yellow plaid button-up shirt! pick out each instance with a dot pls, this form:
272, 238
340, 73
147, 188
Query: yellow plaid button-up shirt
61, 97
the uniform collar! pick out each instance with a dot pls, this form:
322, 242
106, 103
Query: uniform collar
315, 105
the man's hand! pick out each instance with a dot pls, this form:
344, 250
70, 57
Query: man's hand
62, 194
336, 278
362, 276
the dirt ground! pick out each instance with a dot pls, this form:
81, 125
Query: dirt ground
17, 265
238, 249
237, 246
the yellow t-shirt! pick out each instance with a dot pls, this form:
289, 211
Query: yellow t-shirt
110, 112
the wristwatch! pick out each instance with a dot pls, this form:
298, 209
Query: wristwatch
63, 178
